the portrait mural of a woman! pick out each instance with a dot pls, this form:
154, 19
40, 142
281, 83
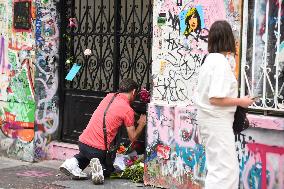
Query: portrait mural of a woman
192, 27
192, 22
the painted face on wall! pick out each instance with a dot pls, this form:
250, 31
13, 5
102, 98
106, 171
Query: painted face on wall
193, 22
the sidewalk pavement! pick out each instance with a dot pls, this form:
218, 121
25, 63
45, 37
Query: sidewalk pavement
16, 174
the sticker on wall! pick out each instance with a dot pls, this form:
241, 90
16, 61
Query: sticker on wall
179, 2
191, 20
74, 70
162, 19
22, 16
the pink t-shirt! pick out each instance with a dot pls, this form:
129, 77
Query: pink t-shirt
118, 113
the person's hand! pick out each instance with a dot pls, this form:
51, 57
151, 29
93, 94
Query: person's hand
246, 101
142, 120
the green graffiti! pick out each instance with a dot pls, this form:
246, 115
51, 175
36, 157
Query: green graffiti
2, 9
12, 60
20, 87
24, 112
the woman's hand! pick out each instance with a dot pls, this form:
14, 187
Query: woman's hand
246, 101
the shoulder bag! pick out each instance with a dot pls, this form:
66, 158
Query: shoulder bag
241, 121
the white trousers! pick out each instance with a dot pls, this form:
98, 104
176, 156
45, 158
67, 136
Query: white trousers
221, 156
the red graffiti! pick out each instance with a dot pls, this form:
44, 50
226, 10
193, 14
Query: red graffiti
28, 64
163, 151
16, 129
263, 149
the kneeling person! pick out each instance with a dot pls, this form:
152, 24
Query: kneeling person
116, 109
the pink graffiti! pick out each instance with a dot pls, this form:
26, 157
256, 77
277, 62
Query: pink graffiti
184, 126
160, 123
14, 44
172, 123
211, 11
34, 174
262, 150
170, 6
266, 122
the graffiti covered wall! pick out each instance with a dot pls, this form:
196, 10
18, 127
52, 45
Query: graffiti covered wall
174, 157
46, 77
261, 156
28, 101
180, 42
17, 67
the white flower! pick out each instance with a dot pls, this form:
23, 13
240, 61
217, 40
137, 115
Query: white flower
68, 61
141, 164
87, 52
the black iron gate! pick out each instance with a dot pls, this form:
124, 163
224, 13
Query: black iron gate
119, 35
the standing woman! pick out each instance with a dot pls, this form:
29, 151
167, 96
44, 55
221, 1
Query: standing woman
216, 100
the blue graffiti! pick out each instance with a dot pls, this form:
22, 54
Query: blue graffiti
193, 156
38, 26
254, 177
150, 156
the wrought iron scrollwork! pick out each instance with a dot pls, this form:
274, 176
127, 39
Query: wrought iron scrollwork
119, 34
262, 56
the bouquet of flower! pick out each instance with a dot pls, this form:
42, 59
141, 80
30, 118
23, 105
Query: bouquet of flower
128, 164
134, 172
144, 95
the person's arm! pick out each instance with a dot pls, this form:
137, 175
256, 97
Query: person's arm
244, 101
134, 133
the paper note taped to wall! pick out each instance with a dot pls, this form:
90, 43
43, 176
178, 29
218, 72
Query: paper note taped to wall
74, 70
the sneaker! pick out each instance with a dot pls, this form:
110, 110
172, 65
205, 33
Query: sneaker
97, 173
70, 167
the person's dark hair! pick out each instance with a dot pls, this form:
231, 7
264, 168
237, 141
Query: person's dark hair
221, 38
127, 85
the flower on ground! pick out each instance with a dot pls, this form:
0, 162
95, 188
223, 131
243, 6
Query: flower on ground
141, 164
129, 162
121, 149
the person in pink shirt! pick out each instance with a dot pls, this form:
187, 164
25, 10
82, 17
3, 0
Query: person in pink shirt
92, 148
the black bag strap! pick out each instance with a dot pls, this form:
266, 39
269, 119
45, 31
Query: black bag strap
203, 59
104, 120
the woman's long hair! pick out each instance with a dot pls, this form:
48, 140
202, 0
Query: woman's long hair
221, 38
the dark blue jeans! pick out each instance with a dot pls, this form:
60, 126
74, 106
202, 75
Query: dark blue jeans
86, 153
